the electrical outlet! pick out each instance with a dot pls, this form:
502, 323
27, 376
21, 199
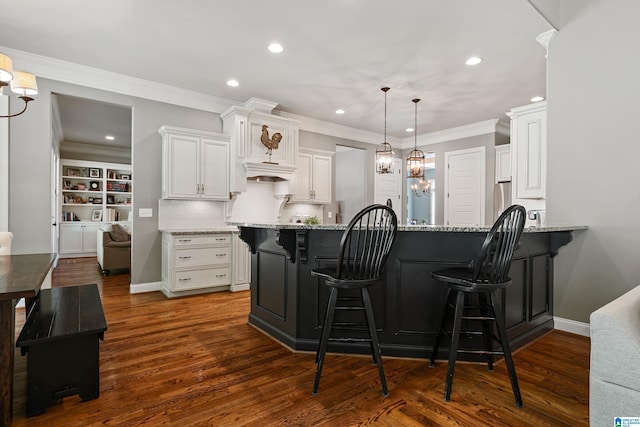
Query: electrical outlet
329, 214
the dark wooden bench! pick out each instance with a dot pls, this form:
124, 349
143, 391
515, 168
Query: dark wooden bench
61, 340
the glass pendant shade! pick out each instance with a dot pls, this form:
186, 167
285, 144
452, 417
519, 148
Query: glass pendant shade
384, 158
415, 164
384, 152
415, 160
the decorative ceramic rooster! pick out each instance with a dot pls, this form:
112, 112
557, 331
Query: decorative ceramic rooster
270, 143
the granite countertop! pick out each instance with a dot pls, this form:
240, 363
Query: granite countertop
204, 230
441, 228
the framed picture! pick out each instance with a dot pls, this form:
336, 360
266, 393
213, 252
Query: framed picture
125, 177
96, 215
110, 200
94, 173
97, 200
73, 172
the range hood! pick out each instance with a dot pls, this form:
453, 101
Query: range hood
256, 154
268, 172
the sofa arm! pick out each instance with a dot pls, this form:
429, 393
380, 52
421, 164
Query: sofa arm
615, 358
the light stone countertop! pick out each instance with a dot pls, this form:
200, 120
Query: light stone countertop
428, 228
206, 230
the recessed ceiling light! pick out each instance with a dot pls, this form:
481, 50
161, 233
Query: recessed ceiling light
474, 60
232, 83
110, 137
409, 129
537, 98
339, 111
275, 48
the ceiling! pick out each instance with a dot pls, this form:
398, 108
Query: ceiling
337, 54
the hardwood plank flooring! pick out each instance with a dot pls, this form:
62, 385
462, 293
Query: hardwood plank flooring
196, 362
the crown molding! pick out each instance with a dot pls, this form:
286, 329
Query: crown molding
64, 71
97, 150
339, 131
460, 132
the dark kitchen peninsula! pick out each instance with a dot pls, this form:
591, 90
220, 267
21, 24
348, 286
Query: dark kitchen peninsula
288, 303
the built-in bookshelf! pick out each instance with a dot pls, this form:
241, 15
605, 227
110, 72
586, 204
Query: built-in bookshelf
95, 191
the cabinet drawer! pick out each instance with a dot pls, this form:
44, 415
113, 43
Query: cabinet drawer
189, 257
209, 239
195, 279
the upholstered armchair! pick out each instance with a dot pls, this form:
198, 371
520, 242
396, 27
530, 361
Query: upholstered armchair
114, 248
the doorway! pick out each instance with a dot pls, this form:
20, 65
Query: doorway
464, 181
92, 151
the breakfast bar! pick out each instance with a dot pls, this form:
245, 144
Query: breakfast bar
288, 303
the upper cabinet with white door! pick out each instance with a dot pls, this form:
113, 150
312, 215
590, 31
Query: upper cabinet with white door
503, 163
529, 150
195, 164
312, 180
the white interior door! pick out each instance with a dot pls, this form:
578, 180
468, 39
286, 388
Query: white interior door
389, 186
464, 181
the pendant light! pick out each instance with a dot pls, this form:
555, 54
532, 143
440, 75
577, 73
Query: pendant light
415, 160
384, 152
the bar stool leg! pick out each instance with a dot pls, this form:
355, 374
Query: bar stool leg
436, 343
324, 339
374, 339
487, 328
455, 339
502, 331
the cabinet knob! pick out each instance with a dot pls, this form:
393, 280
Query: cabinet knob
185, 257
184, 240
220, 275
184, 279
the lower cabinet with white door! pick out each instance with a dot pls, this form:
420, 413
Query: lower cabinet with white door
79, 239
197, 262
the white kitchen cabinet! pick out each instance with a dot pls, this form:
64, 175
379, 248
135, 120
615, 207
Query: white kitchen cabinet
313, 178
503, 163
195, 164
78, 239
529, 150
241, 264
196, 262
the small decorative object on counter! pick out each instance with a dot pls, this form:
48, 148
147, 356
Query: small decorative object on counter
312, 220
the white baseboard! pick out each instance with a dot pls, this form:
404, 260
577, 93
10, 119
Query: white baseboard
240, 287
139, 288
572, 326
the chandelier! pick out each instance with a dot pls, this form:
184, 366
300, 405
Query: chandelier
22, 83
423, 187
384, 152
415, 160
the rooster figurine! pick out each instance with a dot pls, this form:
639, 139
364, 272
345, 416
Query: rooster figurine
270, 143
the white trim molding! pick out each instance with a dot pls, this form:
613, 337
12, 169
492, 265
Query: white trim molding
64, 71
139, 288
572, 326
460, 132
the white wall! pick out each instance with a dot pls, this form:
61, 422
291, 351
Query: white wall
593, 152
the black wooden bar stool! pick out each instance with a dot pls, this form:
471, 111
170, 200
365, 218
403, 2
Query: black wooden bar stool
364, 247
483, 277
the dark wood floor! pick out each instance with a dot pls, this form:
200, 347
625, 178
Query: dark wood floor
196, 362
